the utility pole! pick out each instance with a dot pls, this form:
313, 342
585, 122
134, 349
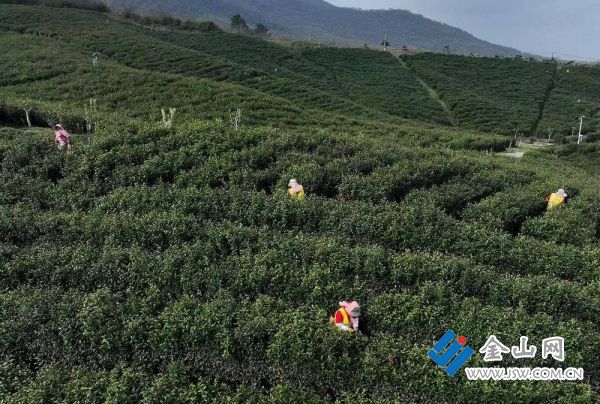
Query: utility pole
385, 43
580, 137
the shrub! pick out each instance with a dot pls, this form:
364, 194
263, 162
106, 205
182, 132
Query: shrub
562, 226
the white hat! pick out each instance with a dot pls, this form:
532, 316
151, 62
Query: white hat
292, 182
562, 193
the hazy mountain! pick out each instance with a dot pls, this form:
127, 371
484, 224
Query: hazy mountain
317, 19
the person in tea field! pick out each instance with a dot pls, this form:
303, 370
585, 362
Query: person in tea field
63, 138
346, 318
295, 190
557, 198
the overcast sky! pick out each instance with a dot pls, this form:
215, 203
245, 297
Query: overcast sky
571, 28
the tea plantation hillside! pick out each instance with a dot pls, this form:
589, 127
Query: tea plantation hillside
488, 94
164, 261
576, 93
513, 96
485, 94
269, 69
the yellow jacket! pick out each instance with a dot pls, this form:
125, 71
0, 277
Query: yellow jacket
555, 200
296, 194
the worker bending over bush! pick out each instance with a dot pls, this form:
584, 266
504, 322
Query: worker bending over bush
557, 198
295, 190
63, 138
347, 316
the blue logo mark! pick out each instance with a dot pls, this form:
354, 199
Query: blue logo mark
457, 352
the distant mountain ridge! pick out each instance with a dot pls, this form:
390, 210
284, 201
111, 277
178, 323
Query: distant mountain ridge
319, 20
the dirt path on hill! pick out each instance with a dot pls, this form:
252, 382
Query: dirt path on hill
547, 96
433, 94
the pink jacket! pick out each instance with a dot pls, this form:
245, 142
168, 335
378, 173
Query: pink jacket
62, 136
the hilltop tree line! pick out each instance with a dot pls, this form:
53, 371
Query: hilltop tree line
166, 20
162, 19
93, 5
238, 24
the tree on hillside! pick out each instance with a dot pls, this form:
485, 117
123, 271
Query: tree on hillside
238, 24
261, 30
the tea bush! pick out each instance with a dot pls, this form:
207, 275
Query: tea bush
508, 210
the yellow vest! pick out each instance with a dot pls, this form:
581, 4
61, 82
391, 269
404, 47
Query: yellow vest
296, 195
555, 200
346, 319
